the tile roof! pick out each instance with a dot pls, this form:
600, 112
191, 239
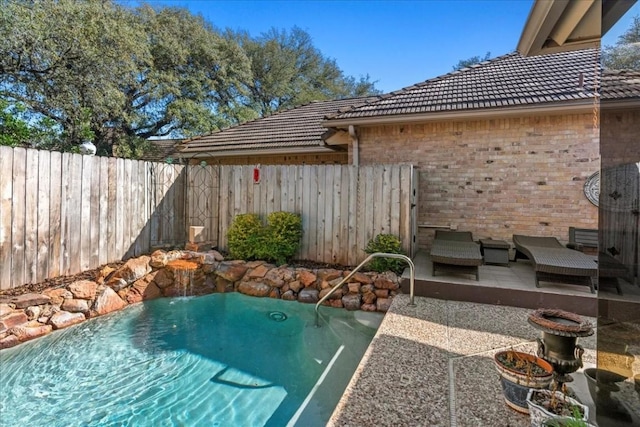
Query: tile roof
510, 80
620, 84
162, 148
297, 127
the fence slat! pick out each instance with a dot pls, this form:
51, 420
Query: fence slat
6, 192
85, 213
44, 190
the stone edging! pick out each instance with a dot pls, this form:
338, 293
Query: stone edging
184, 273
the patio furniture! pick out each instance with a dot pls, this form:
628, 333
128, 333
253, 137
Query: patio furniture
495, 251
553, 262
455, 252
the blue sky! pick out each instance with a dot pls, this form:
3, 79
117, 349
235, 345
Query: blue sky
397, 43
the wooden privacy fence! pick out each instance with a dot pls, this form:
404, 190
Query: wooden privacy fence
63, 213
342, 207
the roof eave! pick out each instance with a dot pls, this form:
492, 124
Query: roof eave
580, 106
319, 149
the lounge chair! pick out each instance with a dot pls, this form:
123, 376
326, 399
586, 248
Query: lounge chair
553, 262
455, 252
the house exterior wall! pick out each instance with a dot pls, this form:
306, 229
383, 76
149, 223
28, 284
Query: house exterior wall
495, 177
336, 158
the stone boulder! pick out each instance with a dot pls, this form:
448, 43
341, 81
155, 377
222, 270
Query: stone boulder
352, 301
383, 304
231, 272
307, 278
383, 282
84, 289
64, 319
254, 289
26, 300
9, 341
308, 295
258, 272
329, 274
58, 295
361, 278
132, 270
13, 319
75, 305
30, 331
106, 302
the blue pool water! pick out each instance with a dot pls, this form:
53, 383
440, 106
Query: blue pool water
216, 360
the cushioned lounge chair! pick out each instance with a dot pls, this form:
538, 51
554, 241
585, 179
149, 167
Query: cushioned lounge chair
455, 252
553, 262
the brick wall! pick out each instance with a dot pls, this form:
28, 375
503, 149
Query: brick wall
495, 177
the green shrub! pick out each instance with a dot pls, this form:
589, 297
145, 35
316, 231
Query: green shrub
277, 242
244, 236
386, 243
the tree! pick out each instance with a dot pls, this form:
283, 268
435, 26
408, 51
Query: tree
121, 75
625, 54
465, 63
287, 70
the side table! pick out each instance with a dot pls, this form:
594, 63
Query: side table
495, 251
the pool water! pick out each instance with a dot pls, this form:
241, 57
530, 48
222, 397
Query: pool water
215, 360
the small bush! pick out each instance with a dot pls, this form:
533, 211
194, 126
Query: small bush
386, 243
245, 234
278, 242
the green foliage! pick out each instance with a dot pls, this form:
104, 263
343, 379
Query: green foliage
282, 238
17, 131
465, 63
244, 235
625, 54
386, 243
277, 242
288, 71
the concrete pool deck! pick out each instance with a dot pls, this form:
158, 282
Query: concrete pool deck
432, 365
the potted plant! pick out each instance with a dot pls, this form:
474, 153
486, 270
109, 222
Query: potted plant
520, 372
554, 408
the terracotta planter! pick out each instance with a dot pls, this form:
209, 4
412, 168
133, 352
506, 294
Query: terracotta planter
520, 373
540, 414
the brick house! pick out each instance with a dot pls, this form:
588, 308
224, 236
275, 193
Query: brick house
503, 147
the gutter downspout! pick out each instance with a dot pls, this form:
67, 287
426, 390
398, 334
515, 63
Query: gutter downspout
354, 146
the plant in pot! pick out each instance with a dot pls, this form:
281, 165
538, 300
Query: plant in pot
520, 372
555, 408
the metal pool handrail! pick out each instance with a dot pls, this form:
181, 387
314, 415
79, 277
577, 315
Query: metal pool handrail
355, 270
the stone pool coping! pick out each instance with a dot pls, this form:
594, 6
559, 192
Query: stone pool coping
432, 364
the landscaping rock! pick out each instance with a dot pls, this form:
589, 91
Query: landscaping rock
382, 293
75, 305
383, 282
158, 259
329, 274
84, 289
254, 289
64, 319
31, 331
106, 302
295, 286
336, 295
58, 295
33, 312
369, 297
12, 320
368, 307
274, 278
5, 309
308, 295
335, 303
307, 278
288, 296
24, 301
354, 288
274, 293
132, 270
231, 272
383, 304
352, 301
361, 278
9, 341
163, 278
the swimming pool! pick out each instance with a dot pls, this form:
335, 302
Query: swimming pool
215, 360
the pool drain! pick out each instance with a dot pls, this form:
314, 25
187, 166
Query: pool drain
277, 316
